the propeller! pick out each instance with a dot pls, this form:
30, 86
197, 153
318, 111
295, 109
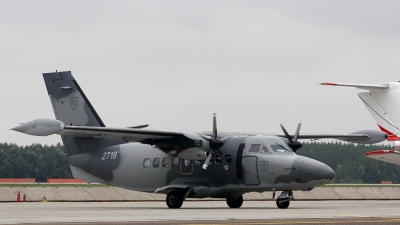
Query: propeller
293, 143
215, 143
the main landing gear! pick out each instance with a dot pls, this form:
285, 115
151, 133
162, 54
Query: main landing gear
283, 201
174, 200
235, 202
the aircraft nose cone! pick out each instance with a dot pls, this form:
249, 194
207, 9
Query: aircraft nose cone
326, 174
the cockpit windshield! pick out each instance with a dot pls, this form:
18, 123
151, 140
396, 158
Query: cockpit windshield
279, 147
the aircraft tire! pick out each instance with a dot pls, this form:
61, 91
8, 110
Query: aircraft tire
282, 205
235, 202
174, 200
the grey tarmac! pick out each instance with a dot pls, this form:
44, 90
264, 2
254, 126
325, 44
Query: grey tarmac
202, 212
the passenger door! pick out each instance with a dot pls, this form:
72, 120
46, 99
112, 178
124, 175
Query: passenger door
246, 165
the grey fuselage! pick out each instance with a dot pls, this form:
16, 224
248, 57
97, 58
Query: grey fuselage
143, 167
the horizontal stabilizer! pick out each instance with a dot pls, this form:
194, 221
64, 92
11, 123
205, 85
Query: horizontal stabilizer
360, 86
390, 156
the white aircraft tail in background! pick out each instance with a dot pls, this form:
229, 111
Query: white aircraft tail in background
383, 103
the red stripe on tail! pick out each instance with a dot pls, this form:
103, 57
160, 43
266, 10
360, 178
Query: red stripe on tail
392, 137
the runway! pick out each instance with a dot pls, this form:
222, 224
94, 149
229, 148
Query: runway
202, 212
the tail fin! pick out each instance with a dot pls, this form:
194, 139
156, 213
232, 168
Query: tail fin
70, 104
72, 107
383, 103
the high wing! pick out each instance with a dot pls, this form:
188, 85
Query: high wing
170, 140
135, 135
390, 156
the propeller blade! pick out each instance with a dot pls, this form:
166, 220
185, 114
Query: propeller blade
205, 164
296, 135
223, 161
215, 126
286, 134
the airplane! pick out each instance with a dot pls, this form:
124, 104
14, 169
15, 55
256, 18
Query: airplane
180, 164
381, 100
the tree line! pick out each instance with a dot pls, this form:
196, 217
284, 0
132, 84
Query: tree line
350, 164
347, 160
34, 161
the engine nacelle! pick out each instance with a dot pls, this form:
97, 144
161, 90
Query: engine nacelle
193, 154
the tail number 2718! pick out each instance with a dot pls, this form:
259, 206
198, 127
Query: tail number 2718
109, 155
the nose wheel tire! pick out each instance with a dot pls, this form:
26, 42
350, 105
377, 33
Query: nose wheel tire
174, 200
282, 204
235, 202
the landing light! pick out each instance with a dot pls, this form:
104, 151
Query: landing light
326, 181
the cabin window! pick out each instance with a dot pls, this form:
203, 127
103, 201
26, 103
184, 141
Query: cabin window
156, 162
186, 162
186, 166
175, 162
166, 162
218, 160
255, 148
146, 163
228, 159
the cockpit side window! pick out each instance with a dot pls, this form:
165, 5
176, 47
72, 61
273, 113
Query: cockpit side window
279, 148
265, 150
255, 148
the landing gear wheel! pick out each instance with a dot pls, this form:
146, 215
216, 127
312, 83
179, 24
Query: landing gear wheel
235, 202
282, 205
174, 200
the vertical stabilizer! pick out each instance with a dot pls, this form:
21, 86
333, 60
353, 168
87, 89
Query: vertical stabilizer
70, 104
72, 107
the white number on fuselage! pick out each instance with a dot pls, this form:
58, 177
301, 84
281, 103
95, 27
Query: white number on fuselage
109, 155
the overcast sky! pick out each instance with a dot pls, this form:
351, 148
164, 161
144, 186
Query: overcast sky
172, 64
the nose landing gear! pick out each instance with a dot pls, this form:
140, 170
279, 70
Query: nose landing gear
174, 200
235, 202
283, 201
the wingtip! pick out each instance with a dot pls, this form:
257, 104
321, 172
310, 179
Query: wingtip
328, 83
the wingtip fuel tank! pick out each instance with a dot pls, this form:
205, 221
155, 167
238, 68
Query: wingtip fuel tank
40, 127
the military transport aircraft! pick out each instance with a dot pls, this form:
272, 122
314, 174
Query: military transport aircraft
382, 102
180, 164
